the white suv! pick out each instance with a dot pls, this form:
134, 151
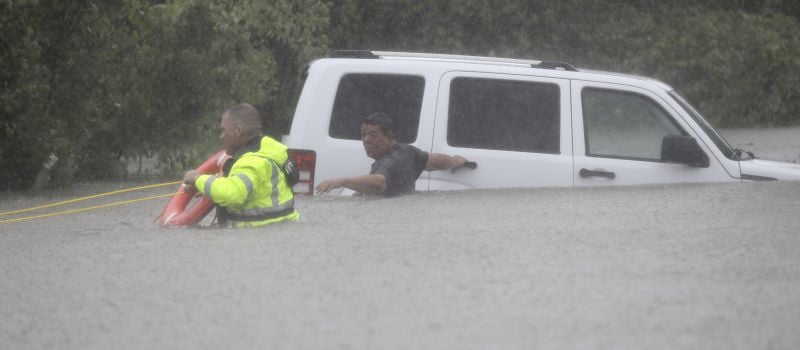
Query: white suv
525, 123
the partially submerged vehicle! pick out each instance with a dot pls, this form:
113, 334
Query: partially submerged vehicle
525, 123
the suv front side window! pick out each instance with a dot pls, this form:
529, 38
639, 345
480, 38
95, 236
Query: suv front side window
619, 124
508, 115
359, 95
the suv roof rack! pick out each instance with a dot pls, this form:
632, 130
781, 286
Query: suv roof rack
367, 54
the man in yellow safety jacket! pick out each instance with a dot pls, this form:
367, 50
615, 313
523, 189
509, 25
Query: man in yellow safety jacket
253, 190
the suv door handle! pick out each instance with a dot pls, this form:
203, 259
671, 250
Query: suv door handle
467, 164
597, 173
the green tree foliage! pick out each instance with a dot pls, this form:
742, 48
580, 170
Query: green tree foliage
179, 64
44, 58
95, 84
736, 60
740, 69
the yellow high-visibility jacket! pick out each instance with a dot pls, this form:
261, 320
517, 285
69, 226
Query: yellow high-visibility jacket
254, 192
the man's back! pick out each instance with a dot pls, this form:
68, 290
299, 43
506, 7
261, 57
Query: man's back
253, 191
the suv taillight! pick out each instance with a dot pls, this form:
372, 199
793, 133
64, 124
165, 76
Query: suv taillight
305, 161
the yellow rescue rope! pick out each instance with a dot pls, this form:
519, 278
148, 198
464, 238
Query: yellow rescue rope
85, 209
86, 198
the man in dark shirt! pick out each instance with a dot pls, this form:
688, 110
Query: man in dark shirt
397, 166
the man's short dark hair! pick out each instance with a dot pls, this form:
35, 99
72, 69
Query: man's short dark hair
248, 116
382, 120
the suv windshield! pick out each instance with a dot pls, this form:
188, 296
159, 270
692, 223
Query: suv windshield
723, 145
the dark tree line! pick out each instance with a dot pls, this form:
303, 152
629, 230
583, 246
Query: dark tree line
88, 86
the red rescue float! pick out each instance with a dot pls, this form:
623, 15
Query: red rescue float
176, 213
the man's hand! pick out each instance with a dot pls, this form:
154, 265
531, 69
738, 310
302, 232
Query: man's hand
327, 185
190, 177
457, 162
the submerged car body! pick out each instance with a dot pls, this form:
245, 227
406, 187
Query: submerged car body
525, 123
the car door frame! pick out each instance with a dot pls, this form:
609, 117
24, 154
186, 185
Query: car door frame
627, 171
503, 168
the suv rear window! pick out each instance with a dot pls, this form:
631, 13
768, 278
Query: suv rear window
358, 95
504, 115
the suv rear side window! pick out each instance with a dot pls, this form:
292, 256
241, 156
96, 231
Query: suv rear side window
358, 95
504, 115
620, 124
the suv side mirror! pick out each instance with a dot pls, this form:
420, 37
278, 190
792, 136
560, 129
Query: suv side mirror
684, 150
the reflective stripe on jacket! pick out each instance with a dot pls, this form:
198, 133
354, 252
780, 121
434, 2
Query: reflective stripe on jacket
255, 192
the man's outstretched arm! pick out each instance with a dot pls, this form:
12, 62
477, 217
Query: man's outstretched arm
438, 161
372, 184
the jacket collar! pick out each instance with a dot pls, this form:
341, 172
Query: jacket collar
252, 145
